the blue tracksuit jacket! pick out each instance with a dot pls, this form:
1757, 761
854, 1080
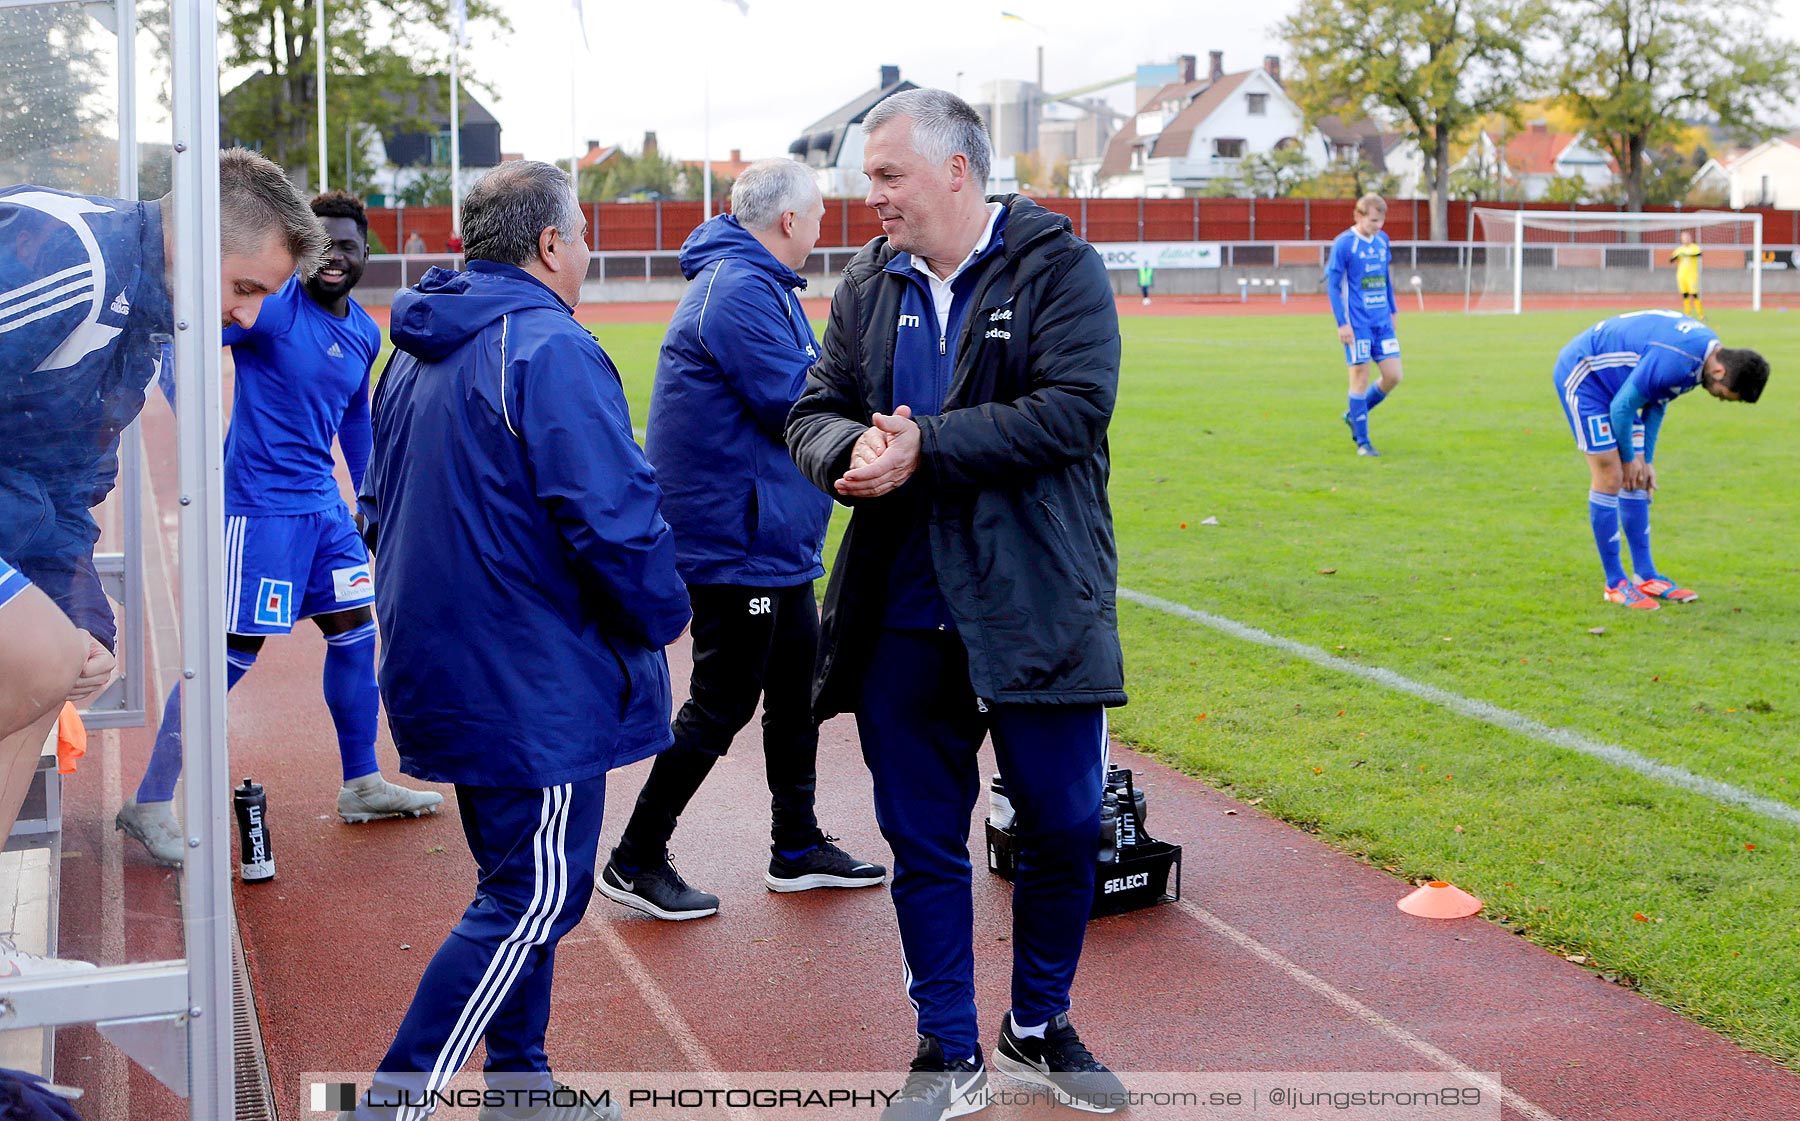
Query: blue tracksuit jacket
525, 580
84, 311
732, 365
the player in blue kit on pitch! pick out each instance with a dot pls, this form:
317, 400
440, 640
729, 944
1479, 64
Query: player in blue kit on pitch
1616, 378
1362, 302
291, 550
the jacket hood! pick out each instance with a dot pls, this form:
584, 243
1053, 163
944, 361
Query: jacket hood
723, 236
446, 309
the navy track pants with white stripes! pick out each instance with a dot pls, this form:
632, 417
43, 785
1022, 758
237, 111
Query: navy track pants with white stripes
921, 726
490, 980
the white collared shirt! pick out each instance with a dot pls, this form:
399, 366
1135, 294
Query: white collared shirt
941, 294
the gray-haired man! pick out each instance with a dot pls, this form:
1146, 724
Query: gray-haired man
525, 588
961, 403
749, 530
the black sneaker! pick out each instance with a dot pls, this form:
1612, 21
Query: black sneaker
936, 1090
825, 866
658, 891
1060, 1063
575, 1110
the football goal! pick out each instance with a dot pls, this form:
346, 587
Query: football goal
1595, 257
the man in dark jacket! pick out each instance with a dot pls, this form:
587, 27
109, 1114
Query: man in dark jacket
525, 585
961, 405
748, 534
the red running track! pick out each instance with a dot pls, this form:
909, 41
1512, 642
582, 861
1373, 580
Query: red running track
1282, 955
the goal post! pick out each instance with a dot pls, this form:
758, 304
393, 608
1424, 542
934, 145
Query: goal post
1592, 256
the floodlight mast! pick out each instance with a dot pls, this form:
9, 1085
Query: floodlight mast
319, 85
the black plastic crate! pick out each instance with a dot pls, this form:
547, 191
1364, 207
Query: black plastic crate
1144, 874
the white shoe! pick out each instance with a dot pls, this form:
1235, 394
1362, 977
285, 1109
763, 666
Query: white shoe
372, 797
21, 965
154, 824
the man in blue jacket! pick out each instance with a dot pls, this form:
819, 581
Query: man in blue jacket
525, 586
749, 530
961, 403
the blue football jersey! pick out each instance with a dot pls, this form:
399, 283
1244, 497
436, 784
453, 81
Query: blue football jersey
1356, 278
302, 380
84, 311
1660, 352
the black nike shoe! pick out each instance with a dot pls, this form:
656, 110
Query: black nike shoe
824, 866
1060, 1063
658, 891
937, 1089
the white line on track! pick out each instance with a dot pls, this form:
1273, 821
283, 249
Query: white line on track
1679, 777
662, 1006
1442, 1059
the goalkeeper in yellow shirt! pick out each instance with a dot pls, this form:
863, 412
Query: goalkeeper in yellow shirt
1687, 275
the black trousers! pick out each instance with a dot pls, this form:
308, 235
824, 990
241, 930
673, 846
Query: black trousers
749, 643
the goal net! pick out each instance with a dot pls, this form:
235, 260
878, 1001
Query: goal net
1558, 258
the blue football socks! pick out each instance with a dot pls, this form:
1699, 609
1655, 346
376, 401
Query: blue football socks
1603, 515
1359, 417
353, 697
158, 784
1376, 396
1634, 519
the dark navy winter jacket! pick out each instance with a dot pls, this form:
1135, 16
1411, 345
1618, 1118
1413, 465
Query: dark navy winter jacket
525, 580
84, 315
732, 365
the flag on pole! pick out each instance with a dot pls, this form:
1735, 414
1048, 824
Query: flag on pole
459, 17
581, 20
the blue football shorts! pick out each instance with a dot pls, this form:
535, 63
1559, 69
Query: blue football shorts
1587, 405
1373, 342
282, 568
12, 582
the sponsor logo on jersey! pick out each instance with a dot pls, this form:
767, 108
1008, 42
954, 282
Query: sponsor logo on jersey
1599, 430
997, 333
351, 583
335, 351
909, 321
120, 305
275, 603
762, 605
1390, 345
1361, 350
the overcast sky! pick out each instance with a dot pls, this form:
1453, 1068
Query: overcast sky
789, 62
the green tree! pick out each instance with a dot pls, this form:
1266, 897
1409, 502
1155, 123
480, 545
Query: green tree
382, 59
1348, 179
49, 123
1434, 67
1629, 70
430, 187
1268, 175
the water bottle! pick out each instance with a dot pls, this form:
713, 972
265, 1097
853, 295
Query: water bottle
1000, 807
252, 807
1109, 827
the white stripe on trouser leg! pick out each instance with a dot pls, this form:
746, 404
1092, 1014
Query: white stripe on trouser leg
549, 891
234, 575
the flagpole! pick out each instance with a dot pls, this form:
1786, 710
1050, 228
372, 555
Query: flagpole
319, 34
706, 149
455, 140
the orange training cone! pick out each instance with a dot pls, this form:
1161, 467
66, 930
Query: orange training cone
1440, 900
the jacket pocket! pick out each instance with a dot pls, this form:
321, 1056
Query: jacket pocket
1062, 541
625, 682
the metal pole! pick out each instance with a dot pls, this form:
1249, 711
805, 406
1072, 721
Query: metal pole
455, 138
706, 149
1756, 224
206, 907
319, 34
1519, 260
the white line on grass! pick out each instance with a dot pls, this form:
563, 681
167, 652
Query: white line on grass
1363, 1012
1483, 711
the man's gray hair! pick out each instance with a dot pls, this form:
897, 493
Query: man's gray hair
943, 124
256, 203
770, 188
514, 203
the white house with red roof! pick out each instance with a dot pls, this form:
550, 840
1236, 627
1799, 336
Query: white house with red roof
1538, 155
1767, 175
1194, 130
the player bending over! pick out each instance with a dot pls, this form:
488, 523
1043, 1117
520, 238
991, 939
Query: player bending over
1687, 275
1362, 301
302, 380
1617, 377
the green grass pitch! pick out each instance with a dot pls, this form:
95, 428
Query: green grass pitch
1462, 559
